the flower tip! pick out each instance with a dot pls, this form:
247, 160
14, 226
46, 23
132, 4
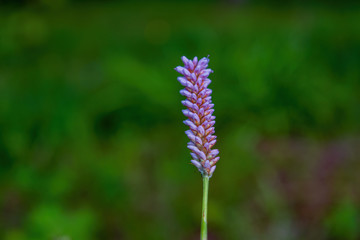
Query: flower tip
185, 60
212, 170
179, 69
196, 164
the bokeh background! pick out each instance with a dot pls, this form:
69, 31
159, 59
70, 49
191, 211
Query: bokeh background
92, 144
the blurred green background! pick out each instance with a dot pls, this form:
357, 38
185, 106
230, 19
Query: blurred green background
92, 144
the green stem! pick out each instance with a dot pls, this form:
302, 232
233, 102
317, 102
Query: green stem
203, 234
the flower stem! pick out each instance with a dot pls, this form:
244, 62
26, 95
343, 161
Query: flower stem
203, 233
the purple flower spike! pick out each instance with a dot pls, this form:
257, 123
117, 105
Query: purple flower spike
199, 113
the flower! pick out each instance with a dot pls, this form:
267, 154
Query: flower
199, 112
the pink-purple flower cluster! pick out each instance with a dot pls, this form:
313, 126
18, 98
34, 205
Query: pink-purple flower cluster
199, 112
